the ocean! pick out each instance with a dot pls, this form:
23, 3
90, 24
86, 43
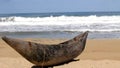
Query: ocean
101, 25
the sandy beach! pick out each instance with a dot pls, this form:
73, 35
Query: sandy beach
99, 53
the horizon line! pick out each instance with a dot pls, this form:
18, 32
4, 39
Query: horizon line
58, 12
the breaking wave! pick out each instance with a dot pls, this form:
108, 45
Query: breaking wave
61, 23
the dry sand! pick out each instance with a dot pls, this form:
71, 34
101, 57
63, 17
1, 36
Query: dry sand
102, 53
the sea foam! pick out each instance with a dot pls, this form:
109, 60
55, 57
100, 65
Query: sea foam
60, 23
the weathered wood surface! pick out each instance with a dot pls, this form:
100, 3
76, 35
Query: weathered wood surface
49, 55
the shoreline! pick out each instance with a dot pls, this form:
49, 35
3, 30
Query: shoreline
61, 34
